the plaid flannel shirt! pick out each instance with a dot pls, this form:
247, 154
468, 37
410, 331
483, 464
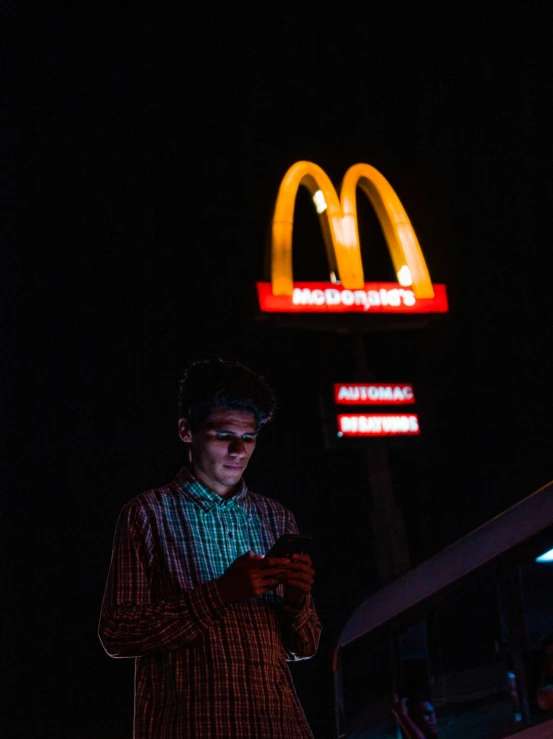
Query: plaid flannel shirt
203, 668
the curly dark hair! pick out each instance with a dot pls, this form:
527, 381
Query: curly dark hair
217, 384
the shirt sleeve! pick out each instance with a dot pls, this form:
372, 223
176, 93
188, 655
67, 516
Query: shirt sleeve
132, 622
301, 628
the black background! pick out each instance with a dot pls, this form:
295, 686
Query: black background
142, 153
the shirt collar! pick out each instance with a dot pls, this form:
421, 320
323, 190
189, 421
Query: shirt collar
205, 498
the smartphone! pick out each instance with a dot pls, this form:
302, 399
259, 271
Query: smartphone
289, 544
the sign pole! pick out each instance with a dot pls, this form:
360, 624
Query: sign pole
388, 528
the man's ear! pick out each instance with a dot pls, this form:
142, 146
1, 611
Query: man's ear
184, 431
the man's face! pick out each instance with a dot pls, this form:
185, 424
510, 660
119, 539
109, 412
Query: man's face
221, 449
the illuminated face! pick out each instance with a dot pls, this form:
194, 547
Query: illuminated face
221, 448
424, 717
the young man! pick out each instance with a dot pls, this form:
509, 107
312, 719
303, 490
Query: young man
190, 595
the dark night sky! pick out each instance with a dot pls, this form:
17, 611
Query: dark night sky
141, 158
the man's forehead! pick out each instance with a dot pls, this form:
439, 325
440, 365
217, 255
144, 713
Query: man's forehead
241, 420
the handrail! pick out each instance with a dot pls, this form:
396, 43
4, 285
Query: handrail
512, 527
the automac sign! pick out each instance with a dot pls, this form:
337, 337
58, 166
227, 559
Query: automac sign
376, 424
347, 291
373, 394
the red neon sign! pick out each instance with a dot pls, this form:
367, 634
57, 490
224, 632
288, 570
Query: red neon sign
373, 394
328, 297
378, 424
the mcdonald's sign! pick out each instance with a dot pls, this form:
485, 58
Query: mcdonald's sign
347, 290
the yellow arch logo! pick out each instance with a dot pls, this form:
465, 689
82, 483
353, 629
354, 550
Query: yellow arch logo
338, 218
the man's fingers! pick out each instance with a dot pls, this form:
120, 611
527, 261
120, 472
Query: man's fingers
275, 562
285, 576
303, 558
271, 581
299, 562
293, 577
297, 568
272, 576
277, 570
281, 573
298, 585
265, 585
301, 574
293, 562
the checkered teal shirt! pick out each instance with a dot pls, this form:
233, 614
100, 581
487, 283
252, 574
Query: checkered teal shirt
203, 668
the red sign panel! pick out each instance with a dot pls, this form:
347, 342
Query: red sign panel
378, 424
373, 394
327, 297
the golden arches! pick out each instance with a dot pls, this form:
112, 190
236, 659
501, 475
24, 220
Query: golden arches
338, 219
346, 261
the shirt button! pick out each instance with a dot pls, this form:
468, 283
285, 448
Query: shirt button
229, 534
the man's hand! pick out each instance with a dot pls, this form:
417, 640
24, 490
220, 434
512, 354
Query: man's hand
298, 578
250, 575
